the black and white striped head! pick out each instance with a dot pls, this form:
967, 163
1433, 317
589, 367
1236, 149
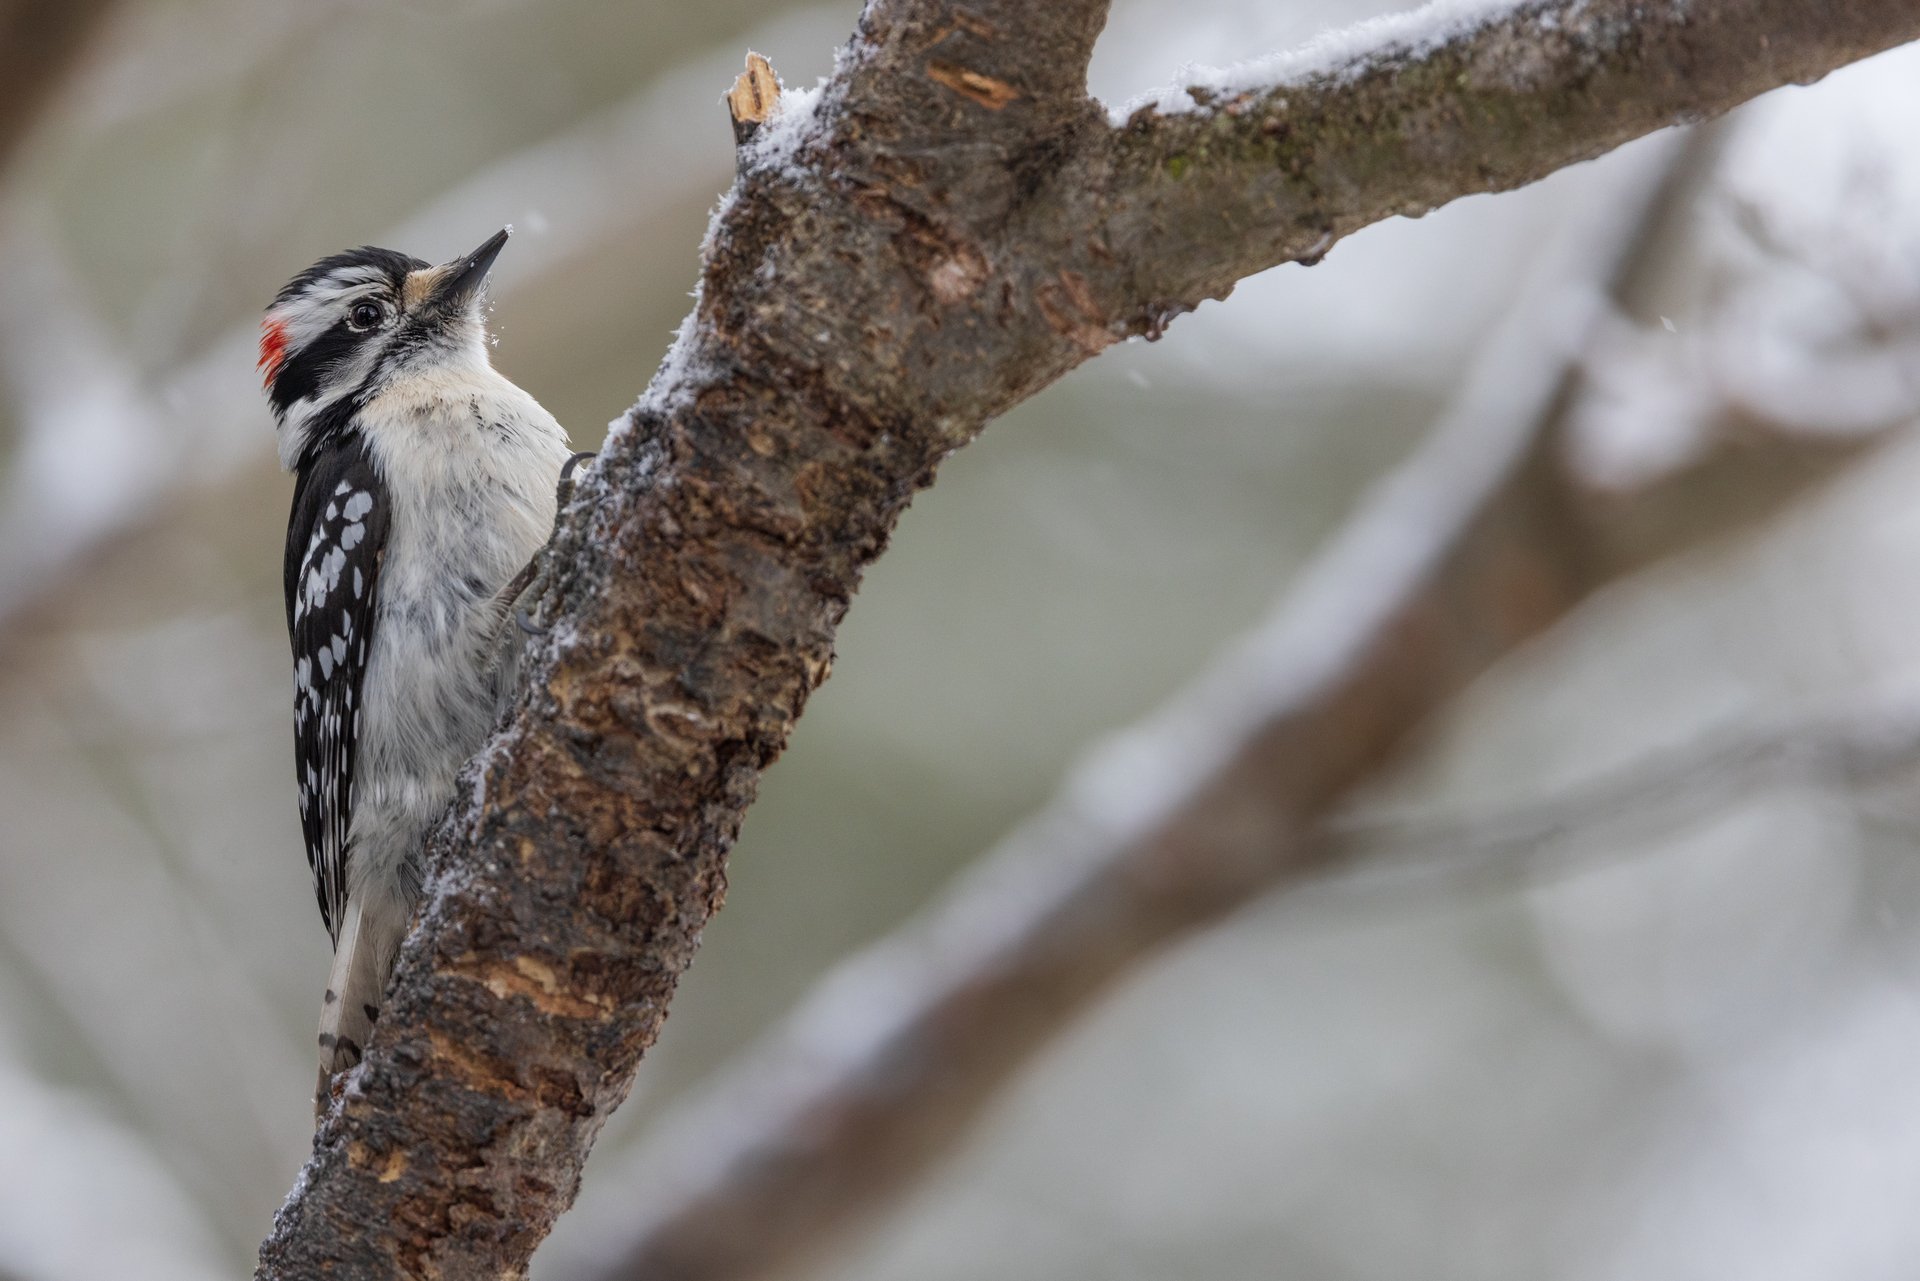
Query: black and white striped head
353, 323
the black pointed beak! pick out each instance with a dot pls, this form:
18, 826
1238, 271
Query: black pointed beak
466, 275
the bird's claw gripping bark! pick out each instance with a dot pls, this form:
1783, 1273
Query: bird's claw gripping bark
565, 488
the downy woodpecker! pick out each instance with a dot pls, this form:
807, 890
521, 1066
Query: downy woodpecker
424, 482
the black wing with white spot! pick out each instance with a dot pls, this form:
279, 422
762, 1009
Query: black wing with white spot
335, 541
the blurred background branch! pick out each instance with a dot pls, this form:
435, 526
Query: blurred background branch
40, 40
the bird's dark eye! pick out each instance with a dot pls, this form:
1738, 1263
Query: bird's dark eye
365, 315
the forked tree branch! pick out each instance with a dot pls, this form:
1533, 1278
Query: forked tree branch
948, 227
1483, 537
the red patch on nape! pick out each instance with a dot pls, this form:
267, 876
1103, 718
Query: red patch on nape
273, 350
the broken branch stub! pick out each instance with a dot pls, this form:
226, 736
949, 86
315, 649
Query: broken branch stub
752, 99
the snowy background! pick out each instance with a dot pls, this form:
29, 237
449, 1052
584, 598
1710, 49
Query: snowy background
1694, 1054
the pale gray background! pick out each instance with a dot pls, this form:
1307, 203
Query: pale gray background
1698, 1057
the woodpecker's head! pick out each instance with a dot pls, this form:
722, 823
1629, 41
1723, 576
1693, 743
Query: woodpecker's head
354, 323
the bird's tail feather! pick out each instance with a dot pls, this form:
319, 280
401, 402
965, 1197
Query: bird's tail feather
362, 963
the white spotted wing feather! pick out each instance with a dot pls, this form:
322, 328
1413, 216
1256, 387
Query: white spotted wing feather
335, 545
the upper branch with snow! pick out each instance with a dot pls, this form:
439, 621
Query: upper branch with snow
1231, 171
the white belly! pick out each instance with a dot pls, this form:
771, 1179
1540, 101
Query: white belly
471, 487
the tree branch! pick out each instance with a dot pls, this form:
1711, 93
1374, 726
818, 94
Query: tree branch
1481, 539
1849, 749
815, 1126
39, 41
887, 1060
1276, 161
900, 260
1023, 64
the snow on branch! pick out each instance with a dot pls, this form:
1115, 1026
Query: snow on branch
948, 226
1276, 160
1483, 538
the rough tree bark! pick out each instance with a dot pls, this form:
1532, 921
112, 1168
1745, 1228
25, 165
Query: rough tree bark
952, 225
